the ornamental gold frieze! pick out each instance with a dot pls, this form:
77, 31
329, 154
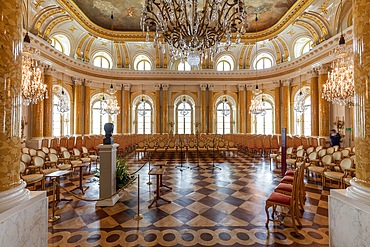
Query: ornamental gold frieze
297, 8
309, 28
241, 62
312, 16
277, 50
54, 23
43, 18
87, 50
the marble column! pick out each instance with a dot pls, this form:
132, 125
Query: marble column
165, 108
277, 109
157, 108
210, 108
37, 123
314, 93
285, 107
241, 107
126, 108
77, 102
323, 104
361, 183
48, 103
118, 124
87, 109
248, 119
12, 188
203, 122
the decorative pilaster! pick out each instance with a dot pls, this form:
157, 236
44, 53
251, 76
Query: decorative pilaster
77, 102
119, 116
285, 107
48, 103
157, 108
10, 107
360, 188
241, 107
210, 108
126, 108
323, 104
165, 108
314, 93
248, 120
203, 121
277, 108
87, 109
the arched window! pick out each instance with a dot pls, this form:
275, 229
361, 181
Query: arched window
264, 123
98, 118
263, 61
223, 117
61, 102
225, 63
61, 43
144, 117
102, 60
302, 46
183, 66
302, 112
184, 114
142, 62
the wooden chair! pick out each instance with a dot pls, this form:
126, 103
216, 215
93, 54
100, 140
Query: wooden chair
31, 178
289, 202
346, 171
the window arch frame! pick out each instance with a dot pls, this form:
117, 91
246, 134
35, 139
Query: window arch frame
298, 46
102, 54
94, 111
302, 121
64, 42
232, 106
270, 100
63, 123
136, 103
225, 58
142, 58
190, 101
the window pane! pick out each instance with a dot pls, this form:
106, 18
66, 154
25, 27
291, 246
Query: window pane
104, 63
223, 118
184, 118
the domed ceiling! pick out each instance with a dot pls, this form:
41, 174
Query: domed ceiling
127, 12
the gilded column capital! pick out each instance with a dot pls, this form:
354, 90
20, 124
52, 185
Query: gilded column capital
241, 87
165, 87
48, 70
313, 73
157, 87
287, 82
203, 87
76, 80
249, 87
127, 87
276, 84
323, 69
86, 83
211, 87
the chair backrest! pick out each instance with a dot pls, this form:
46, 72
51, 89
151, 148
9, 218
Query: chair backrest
300, 153
26, 159
221, 144
62, 149
162, 144
321, 153
345, 153
22, 167
45, 150
32, 152
327, 159
38, 161
211, 145
312, 155
151, 144
318, 148
353, 157
141, 145
337, 156
53, 157
53, 151
330, 150
310, 150
299, 147
354, 150
66, 154
25, 150
171, 144
41, 154
346, 163
84, 150
45, 143
191, 144
336, 148
76, 151
231, 144
201, 144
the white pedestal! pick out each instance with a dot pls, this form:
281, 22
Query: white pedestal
26, 224
349, 220
107, 180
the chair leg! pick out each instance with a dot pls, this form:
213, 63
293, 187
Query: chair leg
267, 214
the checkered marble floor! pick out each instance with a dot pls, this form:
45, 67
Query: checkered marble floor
209, 207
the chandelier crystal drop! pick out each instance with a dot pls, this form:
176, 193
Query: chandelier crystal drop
190, 30
33, 88
340, 88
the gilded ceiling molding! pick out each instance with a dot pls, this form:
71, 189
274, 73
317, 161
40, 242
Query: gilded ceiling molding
41, 12
165, 61
277, 50
242, 56
78, 50
286, 51
293, 13
157, 60
87, 49
43, 17
248, 59
52, 24
127, 60
324, 30
119, 58
310, 29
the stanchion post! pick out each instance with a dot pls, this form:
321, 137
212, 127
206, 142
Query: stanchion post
54, 217
149, 182
139, 216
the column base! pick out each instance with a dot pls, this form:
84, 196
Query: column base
349, 220
14, 196
358, 191
108, 202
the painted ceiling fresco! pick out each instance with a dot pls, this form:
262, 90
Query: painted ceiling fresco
127, 13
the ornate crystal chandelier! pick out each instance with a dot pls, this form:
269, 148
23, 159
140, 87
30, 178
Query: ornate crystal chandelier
110, 105
257, 106
184, 111
225, 111
300, 106
63, 103
33, 89
191, 31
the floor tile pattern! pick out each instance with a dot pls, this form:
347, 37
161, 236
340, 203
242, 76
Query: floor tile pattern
209, 207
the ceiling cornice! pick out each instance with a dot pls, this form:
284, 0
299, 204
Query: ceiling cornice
293, 13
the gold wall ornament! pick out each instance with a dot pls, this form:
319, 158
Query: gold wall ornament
53, 23
87, 49
277, 50
309, 28
79, 47
43, 18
